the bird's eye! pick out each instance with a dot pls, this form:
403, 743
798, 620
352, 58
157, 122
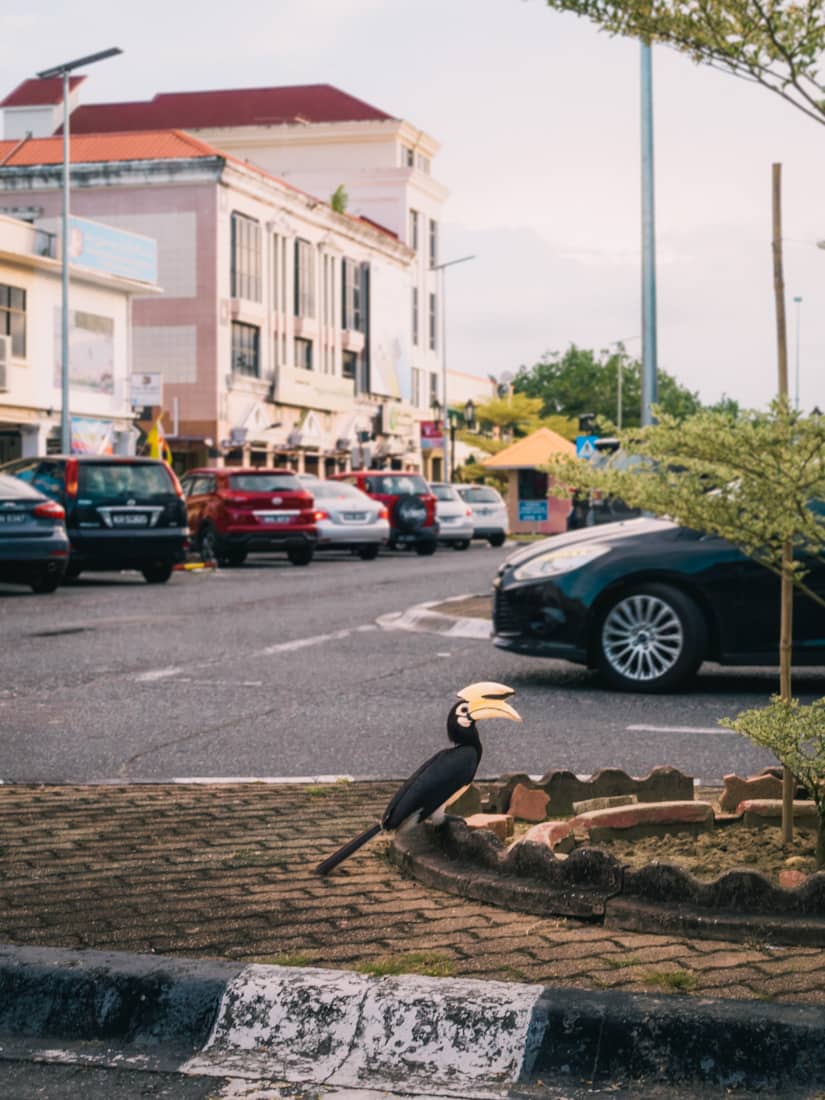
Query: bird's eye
463, 715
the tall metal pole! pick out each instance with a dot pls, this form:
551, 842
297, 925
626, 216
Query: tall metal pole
445, 427
63, 71
649, 353
65, 414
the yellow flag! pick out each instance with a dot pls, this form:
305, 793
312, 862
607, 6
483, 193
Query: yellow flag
156, 442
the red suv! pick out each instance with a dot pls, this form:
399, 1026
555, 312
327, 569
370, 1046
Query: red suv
233, 510
409, 501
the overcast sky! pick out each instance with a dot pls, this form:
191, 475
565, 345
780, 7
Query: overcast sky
538, 117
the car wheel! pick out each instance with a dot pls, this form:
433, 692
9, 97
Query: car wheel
497, 540
157, 572
236, 557
300, 555
651, 639
368, 553
461, 544
207, 544
45, 582
409, 513
425, 548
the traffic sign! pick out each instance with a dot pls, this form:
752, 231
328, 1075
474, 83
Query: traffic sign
586, 446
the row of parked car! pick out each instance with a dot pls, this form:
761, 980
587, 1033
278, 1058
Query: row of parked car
61, 515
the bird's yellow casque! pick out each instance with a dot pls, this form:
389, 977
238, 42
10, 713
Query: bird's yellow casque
486, 700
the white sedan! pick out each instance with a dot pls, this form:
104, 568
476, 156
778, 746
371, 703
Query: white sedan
455, 520
348, 519
489, 512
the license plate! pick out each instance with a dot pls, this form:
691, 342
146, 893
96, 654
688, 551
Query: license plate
12, 517
130, 519
353, 517
273, 517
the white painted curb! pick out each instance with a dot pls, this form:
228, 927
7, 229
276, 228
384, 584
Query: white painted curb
422, 619
458, 1038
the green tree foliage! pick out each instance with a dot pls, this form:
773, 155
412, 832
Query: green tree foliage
517, 414
778, 43
795, 734
750, 479
339, 199
582, 381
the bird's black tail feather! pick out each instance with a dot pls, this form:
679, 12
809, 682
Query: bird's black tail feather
326, 865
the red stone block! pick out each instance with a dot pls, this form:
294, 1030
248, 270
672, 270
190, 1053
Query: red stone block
528, 803
500, 824
790, 879
646, 813
553, 834
755, 786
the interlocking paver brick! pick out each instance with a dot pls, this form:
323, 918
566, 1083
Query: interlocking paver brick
227, 871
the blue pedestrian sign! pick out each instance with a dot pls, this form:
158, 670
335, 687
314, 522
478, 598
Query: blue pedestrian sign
586, 446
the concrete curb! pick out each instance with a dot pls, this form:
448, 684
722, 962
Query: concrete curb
423, 619
424, 1036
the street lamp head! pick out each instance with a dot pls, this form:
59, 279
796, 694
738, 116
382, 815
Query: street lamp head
68, 66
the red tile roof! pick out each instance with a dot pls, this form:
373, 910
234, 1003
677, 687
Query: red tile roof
234, 107
39, 93
94, 148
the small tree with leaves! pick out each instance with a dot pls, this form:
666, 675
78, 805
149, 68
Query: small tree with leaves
795, 734
778, 43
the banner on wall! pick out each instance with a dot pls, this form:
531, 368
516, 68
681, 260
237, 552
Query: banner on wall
91, 437
432, 434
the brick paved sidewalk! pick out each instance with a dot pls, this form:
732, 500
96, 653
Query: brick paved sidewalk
226, 871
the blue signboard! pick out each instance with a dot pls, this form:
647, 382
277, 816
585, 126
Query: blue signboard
586, 446
532, 511
114, 251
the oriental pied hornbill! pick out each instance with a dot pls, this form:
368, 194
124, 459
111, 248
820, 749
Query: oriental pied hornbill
425, 792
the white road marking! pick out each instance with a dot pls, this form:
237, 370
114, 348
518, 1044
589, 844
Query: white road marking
157, 674
315, 639
216, 780
678, 729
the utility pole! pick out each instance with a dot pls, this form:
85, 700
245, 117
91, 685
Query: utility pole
649, 353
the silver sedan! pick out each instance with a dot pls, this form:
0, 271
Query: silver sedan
455, 519
348, 519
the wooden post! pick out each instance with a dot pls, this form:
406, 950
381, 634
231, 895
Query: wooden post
786, 583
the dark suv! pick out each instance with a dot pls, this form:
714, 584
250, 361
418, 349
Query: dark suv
233, 510
121, 513
409, 501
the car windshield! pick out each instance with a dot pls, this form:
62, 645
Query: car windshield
104, 481
444, 492
264, 483
329, 490
396, 485
475, 495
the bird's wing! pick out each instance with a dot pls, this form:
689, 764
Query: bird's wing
430, 787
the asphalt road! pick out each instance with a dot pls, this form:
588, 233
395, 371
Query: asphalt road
273, 670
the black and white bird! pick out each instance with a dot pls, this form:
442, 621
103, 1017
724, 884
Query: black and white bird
423, 795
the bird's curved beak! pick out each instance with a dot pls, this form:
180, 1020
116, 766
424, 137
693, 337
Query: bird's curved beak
487, 700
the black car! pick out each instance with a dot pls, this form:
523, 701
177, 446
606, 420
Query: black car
34, 547
121, 513
646, 601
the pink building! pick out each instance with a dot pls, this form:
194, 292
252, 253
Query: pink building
530, 507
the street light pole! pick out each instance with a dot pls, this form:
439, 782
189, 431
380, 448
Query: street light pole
47, 74
798, 303
445, 426
649, 355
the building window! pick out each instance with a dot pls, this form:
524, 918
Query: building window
407, 157
13, 317
423, 163
246, 258
304, 279
433, 243
303, 353
415, 315
349, 364
433, 389
413, 238
245, 349
433, 322
352, 296
417, 387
